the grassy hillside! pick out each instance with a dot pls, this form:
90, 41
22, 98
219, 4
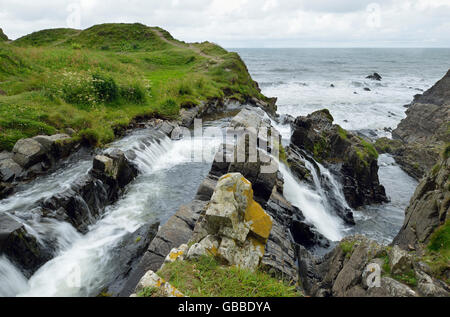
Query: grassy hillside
97, 80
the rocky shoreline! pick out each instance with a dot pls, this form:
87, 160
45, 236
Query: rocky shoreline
288, 246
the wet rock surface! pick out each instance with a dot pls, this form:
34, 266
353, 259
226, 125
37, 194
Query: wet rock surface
424, 133
20, 247
354, 159
429, 207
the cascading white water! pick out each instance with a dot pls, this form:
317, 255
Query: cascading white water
12, 280
88, 265
312, 204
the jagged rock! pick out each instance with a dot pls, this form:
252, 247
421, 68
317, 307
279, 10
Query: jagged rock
208, 246
87, 197
375, 76
238, 223
176, 231
128, 252
353, 158
115, 168
428, 287
296, 163
177, 254
391, 288
428, 209
3, 36
20, 247
6, 189
153, 281
424, 131
9, 169
356, 267
58, 145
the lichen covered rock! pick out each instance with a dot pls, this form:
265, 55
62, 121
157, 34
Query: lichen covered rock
355, 159
162, 288
234, 226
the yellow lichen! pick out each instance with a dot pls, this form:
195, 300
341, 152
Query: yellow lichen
260, 222
174, 255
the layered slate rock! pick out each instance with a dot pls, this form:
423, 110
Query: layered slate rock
359, 267
20, 247
424, 132
279, 255
428, 209
32, 157
354, 159
85, 200
128, 253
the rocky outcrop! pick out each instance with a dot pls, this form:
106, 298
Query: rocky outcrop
234, 227
279, 254
428, 209
425, 132
359, 267
85, 200
354, 159
32, 157
20, 247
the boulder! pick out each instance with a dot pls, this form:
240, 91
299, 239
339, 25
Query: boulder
399, 261
428, 208
28, 152
235, 223
375, 76
87, 197
160, 287
127, 254
353, 158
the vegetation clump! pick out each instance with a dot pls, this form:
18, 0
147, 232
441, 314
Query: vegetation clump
206, 277
100, 79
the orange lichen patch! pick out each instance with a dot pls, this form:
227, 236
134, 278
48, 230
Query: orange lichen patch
213, 251
260, 222
174, 255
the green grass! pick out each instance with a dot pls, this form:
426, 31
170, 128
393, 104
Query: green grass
98, 80
207, 278
347, 248
342, 133
446, 153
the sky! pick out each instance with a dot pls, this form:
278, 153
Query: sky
250, 23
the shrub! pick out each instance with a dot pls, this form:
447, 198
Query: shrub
105, 87
135, 93
77, 88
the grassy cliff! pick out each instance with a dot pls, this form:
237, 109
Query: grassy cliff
99, 79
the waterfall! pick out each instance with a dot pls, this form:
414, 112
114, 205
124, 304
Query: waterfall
313, 203
168, 178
